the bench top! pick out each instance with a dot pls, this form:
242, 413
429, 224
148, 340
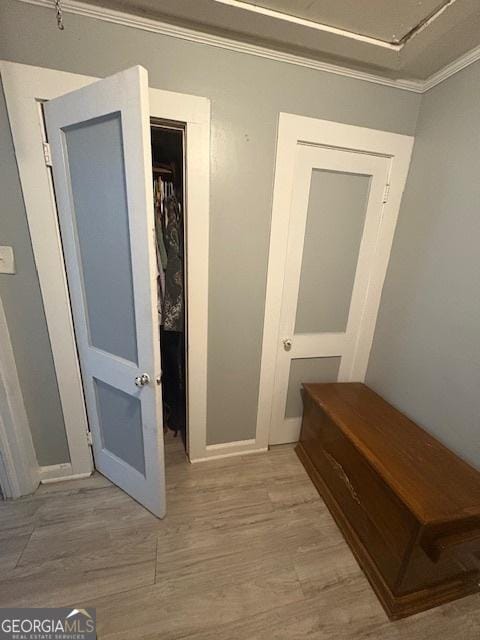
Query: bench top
435, 484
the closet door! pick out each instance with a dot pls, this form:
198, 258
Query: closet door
101, 158
335, 219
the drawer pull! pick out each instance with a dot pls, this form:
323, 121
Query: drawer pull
341, 472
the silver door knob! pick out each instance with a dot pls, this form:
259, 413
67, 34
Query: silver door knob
142, 380
287, 344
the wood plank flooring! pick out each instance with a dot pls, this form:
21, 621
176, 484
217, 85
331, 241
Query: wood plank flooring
231, 561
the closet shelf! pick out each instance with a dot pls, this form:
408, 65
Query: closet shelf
162, 170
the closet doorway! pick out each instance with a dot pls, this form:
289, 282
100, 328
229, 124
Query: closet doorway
106, 144
168, 168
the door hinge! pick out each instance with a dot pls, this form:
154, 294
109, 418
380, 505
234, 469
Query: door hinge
386, 193
46, 154
89, 439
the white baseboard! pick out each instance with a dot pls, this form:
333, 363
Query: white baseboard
60, 473
229, 449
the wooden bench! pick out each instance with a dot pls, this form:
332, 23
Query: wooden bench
408, 507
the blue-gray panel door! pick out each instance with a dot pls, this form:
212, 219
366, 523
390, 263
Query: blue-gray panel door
101, 159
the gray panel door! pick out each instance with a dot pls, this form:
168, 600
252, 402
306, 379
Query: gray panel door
101, 157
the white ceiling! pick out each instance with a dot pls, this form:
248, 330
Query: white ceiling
399, 39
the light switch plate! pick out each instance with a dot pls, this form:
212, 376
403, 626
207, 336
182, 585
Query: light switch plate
7, 260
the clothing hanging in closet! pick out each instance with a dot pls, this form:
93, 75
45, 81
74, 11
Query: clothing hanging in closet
173, 313
169, 237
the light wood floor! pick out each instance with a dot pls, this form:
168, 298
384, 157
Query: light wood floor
231, 561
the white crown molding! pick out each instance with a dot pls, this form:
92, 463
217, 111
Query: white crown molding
451, 69
183, 33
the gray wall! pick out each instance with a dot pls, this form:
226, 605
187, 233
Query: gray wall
426, 352
246, 93
25, 316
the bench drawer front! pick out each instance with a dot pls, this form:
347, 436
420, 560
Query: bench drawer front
383, 524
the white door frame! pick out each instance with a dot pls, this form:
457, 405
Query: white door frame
296, 130
25, 88
18, 463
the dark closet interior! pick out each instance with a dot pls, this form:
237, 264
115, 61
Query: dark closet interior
168, 168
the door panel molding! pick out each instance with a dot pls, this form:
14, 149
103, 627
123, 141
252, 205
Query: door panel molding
377, 148
313, 345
